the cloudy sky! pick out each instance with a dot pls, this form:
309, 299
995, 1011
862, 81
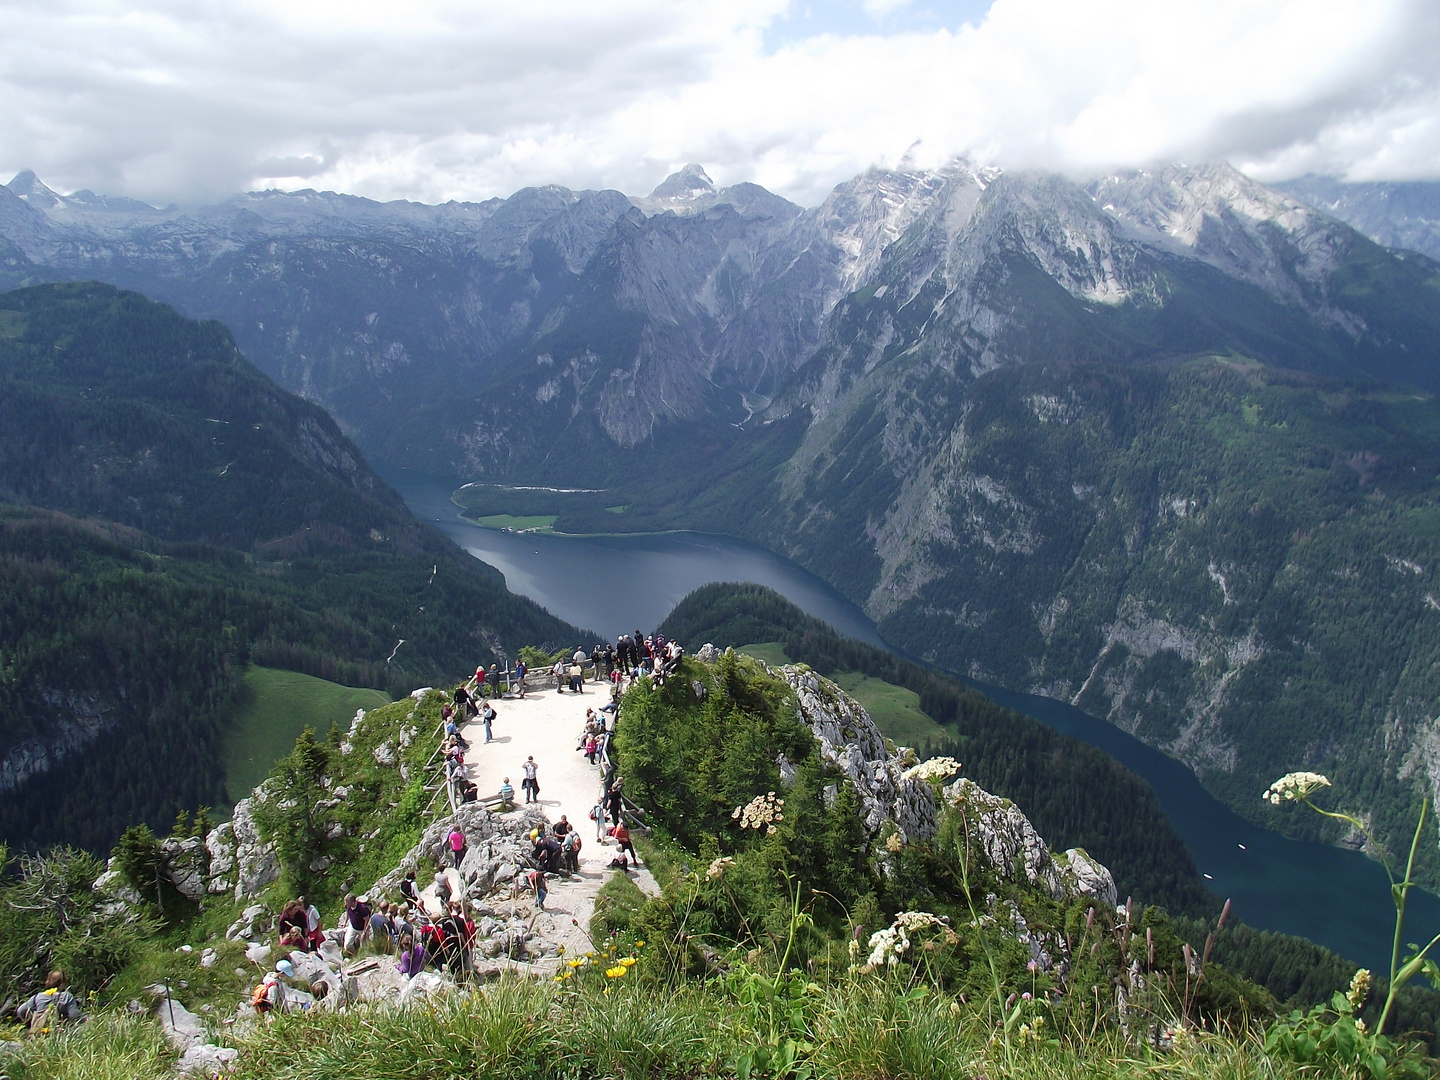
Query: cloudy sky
188, 100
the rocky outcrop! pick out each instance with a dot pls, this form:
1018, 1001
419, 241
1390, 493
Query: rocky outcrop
240, 860
497, 849
849, 739
1009, 845
186, 863
897, 795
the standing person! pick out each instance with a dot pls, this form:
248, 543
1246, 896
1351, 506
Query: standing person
314, 929
357, 922
559, 672
457, 845
561, 827
464, 703
409, 889
536, 879
519, 683
487, 716
608, 658
452, 939
597, 815
442, 893
530, 785
615, 800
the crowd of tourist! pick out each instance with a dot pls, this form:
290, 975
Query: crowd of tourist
438, 932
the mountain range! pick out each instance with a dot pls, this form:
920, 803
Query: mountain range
1160, 443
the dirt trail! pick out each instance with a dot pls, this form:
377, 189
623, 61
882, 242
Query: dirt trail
547, 724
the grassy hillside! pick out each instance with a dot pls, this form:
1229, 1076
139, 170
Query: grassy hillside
271, 709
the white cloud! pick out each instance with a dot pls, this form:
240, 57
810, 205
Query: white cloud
193, 99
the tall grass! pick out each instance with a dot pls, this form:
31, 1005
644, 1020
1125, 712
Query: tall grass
516, 1029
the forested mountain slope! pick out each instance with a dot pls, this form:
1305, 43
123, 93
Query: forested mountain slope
183, 516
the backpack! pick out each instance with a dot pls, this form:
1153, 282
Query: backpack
41, 1006
260, 999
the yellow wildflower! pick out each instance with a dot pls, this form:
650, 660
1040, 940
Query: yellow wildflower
627, 961
615, 972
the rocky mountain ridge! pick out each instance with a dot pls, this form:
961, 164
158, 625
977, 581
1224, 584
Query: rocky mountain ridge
612, 318
1398, 214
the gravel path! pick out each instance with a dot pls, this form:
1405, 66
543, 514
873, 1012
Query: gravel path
547, 724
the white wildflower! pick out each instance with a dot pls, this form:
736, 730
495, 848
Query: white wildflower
760, 812
1359, 988
939, 769
718, 868
1294, 786
889, 945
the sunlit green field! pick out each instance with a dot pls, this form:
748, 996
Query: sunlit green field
275, 707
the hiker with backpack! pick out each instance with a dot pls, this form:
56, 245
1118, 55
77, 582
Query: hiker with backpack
41, 1012
570, 852
270, 996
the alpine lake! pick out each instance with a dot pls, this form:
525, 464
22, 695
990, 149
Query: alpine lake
614, 584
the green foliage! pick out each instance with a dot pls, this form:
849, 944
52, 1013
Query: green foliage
1333, 1037
1076, 795
109, 1047
289, 815
53, 921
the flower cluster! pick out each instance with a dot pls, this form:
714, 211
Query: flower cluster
605, 960
1359, 988
718, 868
888, 946
939, 769
1293, 786
893, 842
761, 812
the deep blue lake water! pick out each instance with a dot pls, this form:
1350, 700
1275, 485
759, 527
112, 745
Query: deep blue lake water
616, 584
